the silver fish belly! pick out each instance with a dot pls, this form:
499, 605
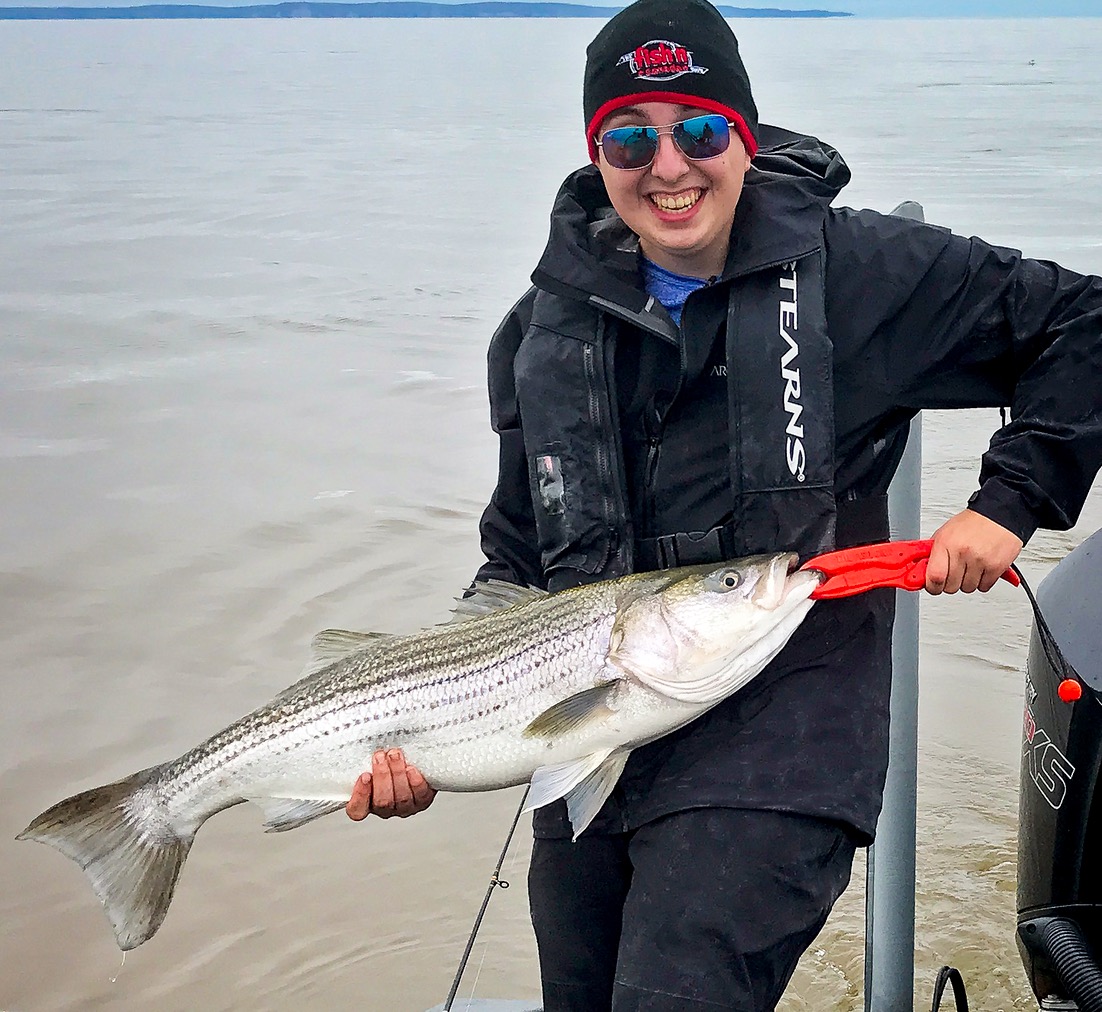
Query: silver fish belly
555, 689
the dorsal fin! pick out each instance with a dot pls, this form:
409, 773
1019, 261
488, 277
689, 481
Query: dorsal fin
328, 647
488, 596
334, 644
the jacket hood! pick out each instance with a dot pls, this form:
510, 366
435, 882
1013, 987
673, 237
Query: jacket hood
792, 181
800, 164
590, 252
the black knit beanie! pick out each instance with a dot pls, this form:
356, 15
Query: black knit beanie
679, 51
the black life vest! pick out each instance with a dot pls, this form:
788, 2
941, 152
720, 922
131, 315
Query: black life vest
781, 421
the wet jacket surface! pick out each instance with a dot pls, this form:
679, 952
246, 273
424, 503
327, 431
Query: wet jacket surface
617, 428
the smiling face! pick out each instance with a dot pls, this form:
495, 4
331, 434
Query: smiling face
681, 209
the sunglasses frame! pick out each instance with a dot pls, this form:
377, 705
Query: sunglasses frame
659, 132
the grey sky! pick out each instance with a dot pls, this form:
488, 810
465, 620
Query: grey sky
965, 8
861, 8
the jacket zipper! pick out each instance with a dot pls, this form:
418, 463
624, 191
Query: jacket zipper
604, 468
656, 430
654, 439
654, 447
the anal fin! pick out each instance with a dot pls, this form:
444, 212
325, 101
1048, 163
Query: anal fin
281, 814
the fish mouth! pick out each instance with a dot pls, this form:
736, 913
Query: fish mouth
772, 585
785, 583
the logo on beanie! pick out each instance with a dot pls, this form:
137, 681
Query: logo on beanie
660, 60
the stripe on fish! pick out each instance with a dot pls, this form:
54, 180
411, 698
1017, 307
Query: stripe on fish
525, 686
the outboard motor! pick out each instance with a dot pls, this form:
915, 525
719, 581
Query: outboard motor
1059, 814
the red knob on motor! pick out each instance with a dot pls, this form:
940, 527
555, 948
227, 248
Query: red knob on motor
1070, 690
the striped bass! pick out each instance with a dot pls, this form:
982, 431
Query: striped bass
555, 689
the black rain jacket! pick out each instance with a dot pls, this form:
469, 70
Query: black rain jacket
916, 318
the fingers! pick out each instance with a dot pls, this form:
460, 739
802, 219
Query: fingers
955, 572
970, 553
989, 579
937, 570
422, 793
391, 788
392, 792
958, 570
360, 804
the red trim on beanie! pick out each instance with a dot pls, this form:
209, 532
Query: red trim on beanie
676, 98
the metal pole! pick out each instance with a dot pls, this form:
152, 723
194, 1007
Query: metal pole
890, 883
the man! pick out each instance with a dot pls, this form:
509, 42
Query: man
714, 362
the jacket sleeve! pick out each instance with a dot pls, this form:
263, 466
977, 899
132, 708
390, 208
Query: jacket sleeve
508, 527
950, 322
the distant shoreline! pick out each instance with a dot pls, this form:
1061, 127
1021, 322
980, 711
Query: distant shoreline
379, 9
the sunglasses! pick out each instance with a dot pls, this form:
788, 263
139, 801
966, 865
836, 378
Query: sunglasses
634, 147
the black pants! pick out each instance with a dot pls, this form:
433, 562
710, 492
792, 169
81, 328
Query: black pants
702, 910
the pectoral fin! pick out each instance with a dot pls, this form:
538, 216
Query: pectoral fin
574, 712
281, 814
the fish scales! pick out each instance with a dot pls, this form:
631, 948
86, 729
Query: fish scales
426, 682
553, 688
469, 661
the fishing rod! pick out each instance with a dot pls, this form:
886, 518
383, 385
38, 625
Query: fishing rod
495, 881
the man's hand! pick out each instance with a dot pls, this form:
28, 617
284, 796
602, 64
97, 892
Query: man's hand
970, 553
390, 788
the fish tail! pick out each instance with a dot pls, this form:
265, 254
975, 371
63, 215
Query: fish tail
123, 838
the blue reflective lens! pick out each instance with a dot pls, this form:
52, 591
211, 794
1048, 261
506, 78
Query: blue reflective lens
634, 147
702, 136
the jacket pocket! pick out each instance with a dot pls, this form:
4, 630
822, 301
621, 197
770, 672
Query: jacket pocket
572, 534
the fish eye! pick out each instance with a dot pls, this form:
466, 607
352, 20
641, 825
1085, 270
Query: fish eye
723, 581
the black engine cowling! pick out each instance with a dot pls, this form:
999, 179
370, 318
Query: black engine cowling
1059, 821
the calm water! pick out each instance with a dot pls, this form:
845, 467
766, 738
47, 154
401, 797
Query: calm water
250, 270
